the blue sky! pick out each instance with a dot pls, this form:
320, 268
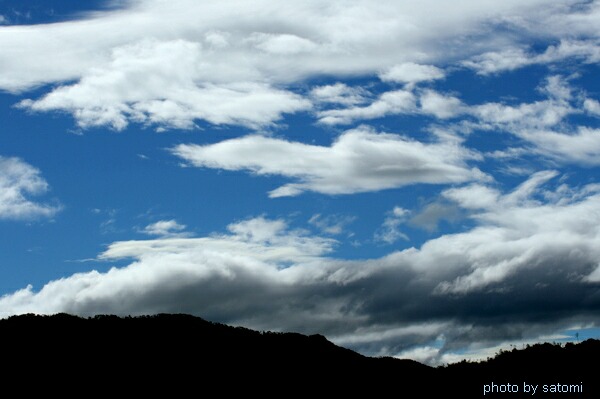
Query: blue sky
409, 180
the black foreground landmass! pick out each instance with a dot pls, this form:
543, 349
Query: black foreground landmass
173, 355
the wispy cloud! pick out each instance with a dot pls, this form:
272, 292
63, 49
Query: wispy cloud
390, 232
513, 58
331, 224
540, 124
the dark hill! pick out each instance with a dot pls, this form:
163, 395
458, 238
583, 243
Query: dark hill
179, 355
542, 365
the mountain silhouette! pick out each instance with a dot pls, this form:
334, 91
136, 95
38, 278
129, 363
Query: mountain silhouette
182, 355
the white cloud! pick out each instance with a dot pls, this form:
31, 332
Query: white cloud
474, 196
557, 88
540, 114
395, 102
399, 212
580, 147
542, 124
439, 105
143, 84
282, 44
389, 103
480, 197
260, 230
499, 61
232, 62
411, 73
3, 20
19, 181
361, 37
359, 160
509, 153
588, 51
166, 228
592, 106
338, 93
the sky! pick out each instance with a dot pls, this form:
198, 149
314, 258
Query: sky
409, 179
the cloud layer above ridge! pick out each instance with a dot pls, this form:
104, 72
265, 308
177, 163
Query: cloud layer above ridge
459, 288
392, 99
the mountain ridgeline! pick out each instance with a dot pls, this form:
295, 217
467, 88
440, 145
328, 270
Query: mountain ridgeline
181, 355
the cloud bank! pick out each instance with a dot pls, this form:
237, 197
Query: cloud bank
527, 268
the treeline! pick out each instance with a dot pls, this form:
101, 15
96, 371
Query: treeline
175, 354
